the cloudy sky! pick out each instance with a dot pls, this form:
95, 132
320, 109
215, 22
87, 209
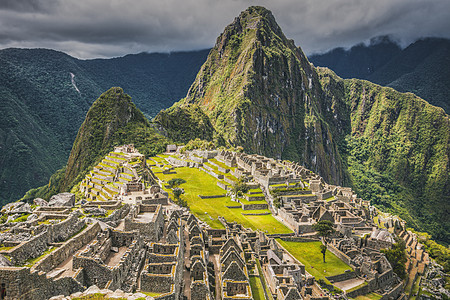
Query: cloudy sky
107, 28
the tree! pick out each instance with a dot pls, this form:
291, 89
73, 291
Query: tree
324, 229
397, 258
175, 182
323, 250
240, 187
177, 192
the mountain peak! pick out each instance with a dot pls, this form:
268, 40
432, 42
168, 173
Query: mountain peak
260, 92
256, 22
113, 119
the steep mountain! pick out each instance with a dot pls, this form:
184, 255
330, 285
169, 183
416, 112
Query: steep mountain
422, 68
397, 152
258, 90
45, 94
112, 120
42, 107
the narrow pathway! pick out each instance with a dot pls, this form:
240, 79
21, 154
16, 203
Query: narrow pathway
215, 259
186, 273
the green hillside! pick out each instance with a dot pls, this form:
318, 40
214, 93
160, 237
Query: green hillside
259, 91
397, 152
422, 68
45, 95
112, 120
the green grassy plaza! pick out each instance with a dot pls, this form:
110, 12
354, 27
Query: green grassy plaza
201, 183
308, 253
257, 288
371, 296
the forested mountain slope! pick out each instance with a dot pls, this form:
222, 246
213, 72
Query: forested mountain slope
45, 95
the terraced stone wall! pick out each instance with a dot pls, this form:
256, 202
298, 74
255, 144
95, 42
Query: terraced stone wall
68, 249
21, 283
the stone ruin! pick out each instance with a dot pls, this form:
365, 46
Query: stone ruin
127, 235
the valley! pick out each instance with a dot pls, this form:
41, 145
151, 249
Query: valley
271, 179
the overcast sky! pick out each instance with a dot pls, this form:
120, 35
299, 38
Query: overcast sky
107, 28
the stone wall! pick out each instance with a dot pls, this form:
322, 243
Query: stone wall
222, 185
394, 293
21, 283
254, 206
68, 248
61, 231
158, 283
104, 276
342, 277
154, 201
340, 254
150, 231
29, 249
117, 215
360, 291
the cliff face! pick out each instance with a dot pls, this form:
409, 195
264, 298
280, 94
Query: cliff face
260, 92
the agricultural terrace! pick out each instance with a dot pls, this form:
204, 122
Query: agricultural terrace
308, 253
208, 210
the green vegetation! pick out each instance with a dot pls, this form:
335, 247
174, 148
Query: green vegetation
371, 296
263, 280
436, 251
42, 110
308, 253
324, 229
396, 151
208, 210
397, 258
240, 187
32, 261
112, 120
175, 182
96, 296
257, 288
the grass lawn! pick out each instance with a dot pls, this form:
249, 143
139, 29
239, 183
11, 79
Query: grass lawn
221, 164
371, 296
257, 288
201, 183
309, 254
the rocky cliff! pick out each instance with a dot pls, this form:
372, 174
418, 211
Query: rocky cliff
260, 92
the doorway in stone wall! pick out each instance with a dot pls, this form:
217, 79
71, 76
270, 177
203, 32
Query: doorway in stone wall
3, 291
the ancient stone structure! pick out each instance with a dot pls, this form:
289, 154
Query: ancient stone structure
126, 234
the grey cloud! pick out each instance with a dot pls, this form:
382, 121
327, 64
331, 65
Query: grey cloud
103, 28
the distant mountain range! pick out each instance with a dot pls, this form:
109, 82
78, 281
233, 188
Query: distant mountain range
45, 95
255, 89
422, 68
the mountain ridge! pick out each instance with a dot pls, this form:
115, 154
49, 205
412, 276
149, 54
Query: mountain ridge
420, 68
42, 108
392, 147
234, 88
